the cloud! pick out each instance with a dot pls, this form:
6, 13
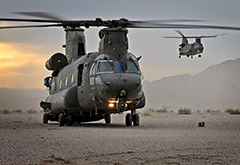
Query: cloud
19, 68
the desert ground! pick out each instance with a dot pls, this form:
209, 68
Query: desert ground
166, 138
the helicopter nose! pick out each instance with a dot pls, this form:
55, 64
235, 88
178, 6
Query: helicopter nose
111, 86
198, 48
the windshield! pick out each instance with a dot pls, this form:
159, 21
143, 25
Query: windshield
118, 66
109, 66
105, 67
131, 67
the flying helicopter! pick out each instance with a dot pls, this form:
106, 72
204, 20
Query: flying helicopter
91, 86
191, 49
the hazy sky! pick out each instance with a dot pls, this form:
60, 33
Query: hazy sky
23, 52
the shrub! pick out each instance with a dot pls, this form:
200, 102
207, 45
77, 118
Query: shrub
31, 111
208, 110
151, 109
164, 109
198, 111
5, 111
18, 111
146, 113
232, 111
184, 111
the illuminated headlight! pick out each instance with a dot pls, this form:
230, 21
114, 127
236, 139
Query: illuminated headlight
111, 105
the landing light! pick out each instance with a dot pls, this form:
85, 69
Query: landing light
111, 105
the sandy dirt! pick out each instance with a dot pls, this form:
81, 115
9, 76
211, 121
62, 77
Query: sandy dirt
160, 139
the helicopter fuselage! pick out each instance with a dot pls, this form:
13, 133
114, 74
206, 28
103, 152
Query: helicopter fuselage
91, 82
191, 49
96, 84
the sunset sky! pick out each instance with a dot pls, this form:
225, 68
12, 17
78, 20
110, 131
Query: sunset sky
23, 52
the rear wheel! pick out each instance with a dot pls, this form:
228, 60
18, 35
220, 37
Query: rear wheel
61, 119
69, 120
45, 118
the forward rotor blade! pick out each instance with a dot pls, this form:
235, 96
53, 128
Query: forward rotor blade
29, 26
46, 15
171, 37
32, 20
179, 32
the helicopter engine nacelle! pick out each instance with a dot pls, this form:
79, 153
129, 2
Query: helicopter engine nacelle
57, 61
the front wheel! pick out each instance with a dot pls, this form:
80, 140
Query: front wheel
107, 118
128, 119
136, 120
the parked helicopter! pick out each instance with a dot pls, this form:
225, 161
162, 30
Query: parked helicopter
191, 49
90, 86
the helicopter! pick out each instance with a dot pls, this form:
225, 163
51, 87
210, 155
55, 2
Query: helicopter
91, 86
191, 49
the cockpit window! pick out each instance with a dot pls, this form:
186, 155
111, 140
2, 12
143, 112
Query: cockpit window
131, 67
109, 66
118, 66
105, 66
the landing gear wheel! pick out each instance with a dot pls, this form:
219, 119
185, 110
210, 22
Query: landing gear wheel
128, 119
45, 118
136, 120
107, 118
61, 119
199, 56
69, 120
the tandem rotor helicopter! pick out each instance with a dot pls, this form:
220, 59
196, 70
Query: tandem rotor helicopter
91, 86
191, 49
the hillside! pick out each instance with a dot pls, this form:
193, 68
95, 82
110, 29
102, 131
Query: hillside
217, 87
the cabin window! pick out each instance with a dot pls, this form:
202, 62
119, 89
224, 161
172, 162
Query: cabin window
105, 66
80, 72
60, 84
72, 78
131, 67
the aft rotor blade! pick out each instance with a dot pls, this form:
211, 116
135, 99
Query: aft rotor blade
167, 20
29, 26
181, 26
212, 36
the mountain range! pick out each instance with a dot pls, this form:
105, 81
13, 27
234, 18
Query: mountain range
217, 87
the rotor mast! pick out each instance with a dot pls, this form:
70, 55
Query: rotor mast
75, 43
114, 42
